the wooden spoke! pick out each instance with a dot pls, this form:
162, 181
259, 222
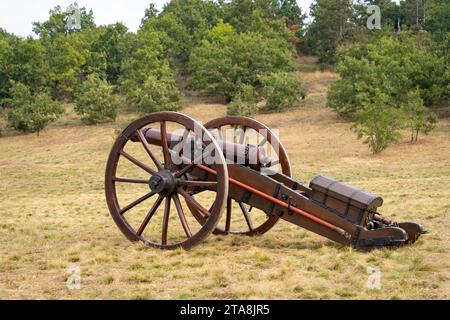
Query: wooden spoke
184, 170
182, 216
228, 217
246, 216
165, 225
149, 215
137, 162
204, 184
136, 202
193, 202
149, 150
130, 180
189, 166
212, 206
164, 143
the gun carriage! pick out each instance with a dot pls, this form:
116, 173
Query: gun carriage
211, 183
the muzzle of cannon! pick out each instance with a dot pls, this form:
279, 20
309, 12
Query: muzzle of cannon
249, 183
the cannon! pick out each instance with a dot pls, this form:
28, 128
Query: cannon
214, 182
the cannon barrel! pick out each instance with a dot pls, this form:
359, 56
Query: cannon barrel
245, 154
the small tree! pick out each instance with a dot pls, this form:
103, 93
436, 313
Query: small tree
418, 117
282, 90
245, 102
378, 124
147, 78
31, 113
226, 59
94, 101
157, 95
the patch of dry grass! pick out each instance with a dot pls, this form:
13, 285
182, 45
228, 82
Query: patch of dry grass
53, 215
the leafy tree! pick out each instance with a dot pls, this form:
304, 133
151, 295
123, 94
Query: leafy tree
413, 11
150, 13
238, 13
174, 37
147, 59
113, 45
22, 61
245, 102
241, 14
418, 117
5, 51
211, 64
157, 95
226, 60
271, 18
294, 18
282, 90
391, 66
437, 22
57, 23
269, 27
68, 51
182, 24
292, 12
94, 101
149, 85
31, 112
66, 61
333, 25
378, 124
437, 16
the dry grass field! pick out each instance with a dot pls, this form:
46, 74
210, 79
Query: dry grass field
53, 216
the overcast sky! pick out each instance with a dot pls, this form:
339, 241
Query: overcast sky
16, 16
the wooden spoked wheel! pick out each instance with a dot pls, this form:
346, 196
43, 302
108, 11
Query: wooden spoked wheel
135, 164
240, 218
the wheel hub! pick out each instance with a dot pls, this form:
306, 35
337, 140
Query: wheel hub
162, 182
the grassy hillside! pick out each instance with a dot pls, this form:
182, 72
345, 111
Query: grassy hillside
53, 215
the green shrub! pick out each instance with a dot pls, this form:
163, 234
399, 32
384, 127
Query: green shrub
391, 66
244, 104
147, 78
94, 101
378, 124
281, 90
418, 117
156, 95
31, 113
225, 59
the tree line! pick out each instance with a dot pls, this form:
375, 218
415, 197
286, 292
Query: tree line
240, 50
226, 49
